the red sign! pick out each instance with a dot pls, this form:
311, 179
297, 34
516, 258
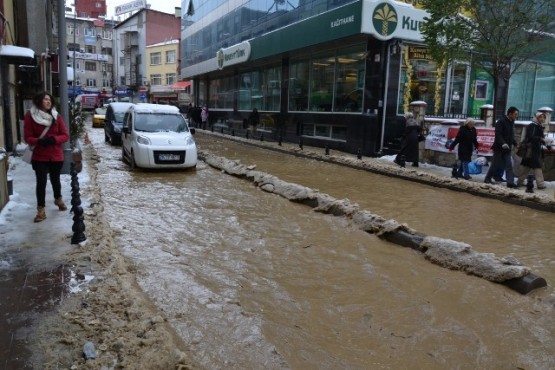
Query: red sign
143, 89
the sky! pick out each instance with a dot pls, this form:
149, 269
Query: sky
166, 6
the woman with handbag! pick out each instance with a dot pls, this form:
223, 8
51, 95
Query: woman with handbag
467, 139
412, 135
45, 130
531, 157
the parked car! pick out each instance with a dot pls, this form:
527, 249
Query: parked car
157, 136
114, 121
98, 117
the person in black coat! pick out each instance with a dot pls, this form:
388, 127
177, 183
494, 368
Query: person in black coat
467, 139
502, 147
532, 161
409, 143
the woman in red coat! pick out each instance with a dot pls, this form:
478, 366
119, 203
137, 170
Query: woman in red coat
48, 154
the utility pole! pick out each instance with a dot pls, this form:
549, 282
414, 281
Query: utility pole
62, 60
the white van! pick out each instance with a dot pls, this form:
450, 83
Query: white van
157, 136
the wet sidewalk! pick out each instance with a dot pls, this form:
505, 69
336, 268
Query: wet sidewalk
33, 278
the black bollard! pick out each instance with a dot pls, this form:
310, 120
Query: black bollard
455, 171
212, 128
247, 134
222, 130
279, 140
78, 227
402, 161
530, 183
261, 137
327, 151
359, 154
301, 143
233, 132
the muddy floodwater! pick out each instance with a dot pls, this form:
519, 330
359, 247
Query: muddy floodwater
250, 280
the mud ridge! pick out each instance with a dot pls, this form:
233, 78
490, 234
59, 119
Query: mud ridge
443, 252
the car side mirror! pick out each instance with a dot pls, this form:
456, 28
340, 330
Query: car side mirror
192, 131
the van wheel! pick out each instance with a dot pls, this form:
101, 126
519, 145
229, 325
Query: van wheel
133, 164
123, 159
106, 137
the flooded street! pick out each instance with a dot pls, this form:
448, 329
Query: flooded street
250, 280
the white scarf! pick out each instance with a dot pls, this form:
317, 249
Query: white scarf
43, 118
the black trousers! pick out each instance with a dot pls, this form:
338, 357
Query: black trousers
42, 169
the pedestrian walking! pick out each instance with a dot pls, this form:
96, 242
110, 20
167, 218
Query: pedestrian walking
204, 116
409, 143
48, 154
532, 157
254, 120
502, 146
467, 140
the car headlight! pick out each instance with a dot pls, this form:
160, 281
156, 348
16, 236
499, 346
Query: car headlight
143, 140
190, 141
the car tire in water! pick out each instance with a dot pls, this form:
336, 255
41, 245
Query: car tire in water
132, 162
123, 159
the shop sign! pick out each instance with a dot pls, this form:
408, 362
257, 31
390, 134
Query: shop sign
419, 53
390, 19
335, 24
87, 56
130, 7
236, 54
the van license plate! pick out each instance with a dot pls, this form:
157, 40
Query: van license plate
168, 157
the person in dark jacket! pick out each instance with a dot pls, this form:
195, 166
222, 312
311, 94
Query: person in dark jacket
48, 154
467, 139
409, 143
254, 120
502, 146
532, 162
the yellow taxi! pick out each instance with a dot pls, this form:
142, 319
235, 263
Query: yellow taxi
98, 117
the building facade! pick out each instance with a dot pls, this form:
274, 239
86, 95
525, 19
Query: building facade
336, 73
90, 54
161, 71
145, 27
90, 8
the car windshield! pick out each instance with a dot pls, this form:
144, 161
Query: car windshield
101, 111
160, 122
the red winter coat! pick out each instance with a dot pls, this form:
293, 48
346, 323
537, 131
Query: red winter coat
32, 132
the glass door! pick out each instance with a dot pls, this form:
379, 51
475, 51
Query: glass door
457, 90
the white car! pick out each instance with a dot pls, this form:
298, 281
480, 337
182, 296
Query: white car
157, 136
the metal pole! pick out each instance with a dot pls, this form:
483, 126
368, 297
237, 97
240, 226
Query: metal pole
62, 61
74, 74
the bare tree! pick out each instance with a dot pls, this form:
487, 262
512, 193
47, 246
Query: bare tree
498, 36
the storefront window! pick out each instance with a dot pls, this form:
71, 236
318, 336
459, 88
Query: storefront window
349, 89
323, 75
202, 94
421, 79
298, 85
271, 88
221, 93
532, 87
250, 95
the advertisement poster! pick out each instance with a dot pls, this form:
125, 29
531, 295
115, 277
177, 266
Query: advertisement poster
440, 135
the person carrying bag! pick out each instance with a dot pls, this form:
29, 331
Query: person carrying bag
532, 151
44, 129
